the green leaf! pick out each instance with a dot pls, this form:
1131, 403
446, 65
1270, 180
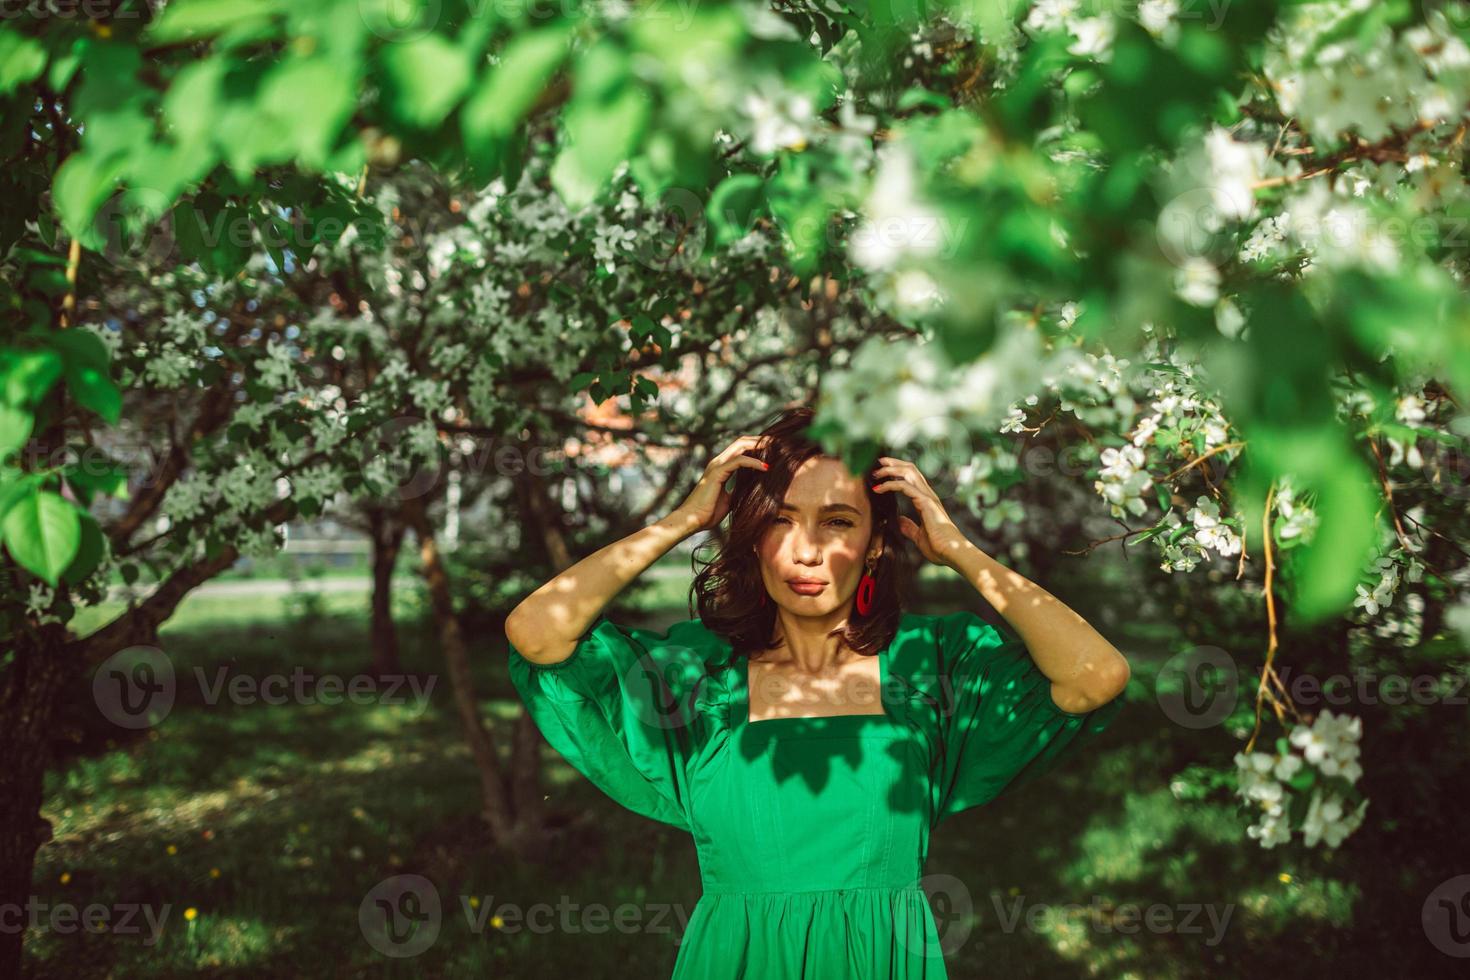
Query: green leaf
91, 548
97, 476
29, 375
93, 389
426, 77
734, 205
42, 534
1326, 571
313, 98
188, 231
15, 429
81, 184
600, 136
185, 20
81, 348
1152, 532
86, 362
21, 60
193, 99
507, 90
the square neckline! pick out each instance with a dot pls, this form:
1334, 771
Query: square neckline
821, 721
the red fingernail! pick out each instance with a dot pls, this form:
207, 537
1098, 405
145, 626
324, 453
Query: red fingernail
765, 466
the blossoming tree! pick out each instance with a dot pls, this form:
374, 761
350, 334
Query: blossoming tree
1219, 258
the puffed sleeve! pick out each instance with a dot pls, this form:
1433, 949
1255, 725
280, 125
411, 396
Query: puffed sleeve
618, 710
1000, 727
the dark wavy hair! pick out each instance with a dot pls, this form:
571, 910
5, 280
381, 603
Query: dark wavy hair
728, 588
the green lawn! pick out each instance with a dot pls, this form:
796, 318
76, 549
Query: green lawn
273, 822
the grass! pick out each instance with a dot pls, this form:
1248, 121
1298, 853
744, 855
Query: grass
273, 822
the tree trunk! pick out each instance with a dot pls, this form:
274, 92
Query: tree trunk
29, 690
509, 828
387, 536
543, 515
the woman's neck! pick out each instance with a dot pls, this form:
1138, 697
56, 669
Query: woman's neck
810, 645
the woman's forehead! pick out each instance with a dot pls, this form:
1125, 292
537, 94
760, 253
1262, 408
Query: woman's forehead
822, 481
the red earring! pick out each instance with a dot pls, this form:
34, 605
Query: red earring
866, 586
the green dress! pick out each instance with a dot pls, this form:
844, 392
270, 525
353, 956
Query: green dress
811, 833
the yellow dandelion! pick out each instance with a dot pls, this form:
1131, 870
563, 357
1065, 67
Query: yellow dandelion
474, 901
497, 921
65, 877
172, 849
1285, 878
214, 872
191, 913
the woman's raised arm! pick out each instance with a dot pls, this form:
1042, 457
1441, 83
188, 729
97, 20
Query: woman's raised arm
546, 625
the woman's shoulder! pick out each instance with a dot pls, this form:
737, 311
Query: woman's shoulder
930, 645
942, 628
692, 640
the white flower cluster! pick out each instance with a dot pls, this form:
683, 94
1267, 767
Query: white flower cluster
1457, 617
897, 225
1182, 553
1207, 531
39, 601
1161, 19
1298, 520
1091, 36
778, 118
911, 395
1211, 184
277, 369
1211, 530
1331, 746
1337, 229
1421, 75
1391, 570
1123, 480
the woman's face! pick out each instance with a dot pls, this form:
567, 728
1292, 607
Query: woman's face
822, 533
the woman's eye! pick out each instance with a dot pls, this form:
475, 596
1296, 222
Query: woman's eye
836, 520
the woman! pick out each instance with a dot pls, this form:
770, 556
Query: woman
806, 730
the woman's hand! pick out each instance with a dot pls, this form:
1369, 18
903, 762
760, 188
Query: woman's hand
709, 501
937, 537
